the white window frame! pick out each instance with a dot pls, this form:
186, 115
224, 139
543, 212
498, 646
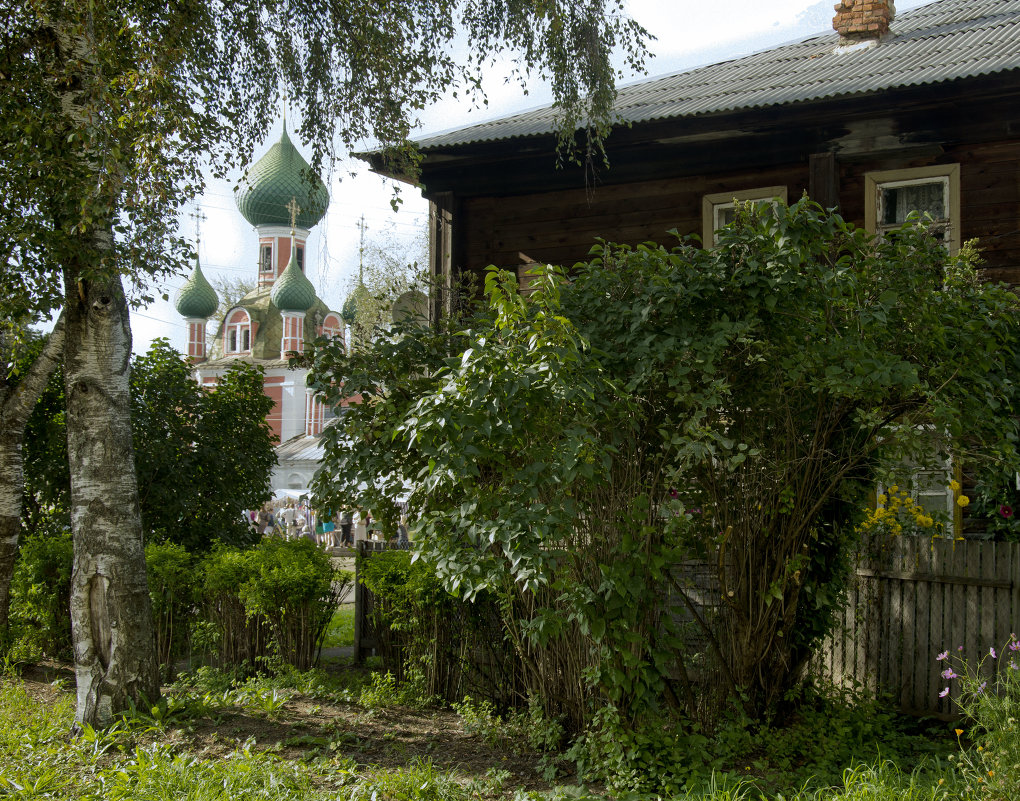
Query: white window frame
712, 204
942, 474
946, 174
268, 265
235, 334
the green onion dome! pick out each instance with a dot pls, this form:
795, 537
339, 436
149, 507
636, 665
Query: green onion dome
197, 298
357, 298
270, 183
292, 291
350, 310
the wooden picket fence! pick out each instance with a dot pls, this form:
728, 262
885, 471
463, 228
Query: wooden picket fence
914, 599
910, 600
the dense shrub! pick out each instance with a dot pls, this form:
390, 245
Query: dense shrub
428, 636
295, 589
41, 596
276, 598
235, 638
173, 589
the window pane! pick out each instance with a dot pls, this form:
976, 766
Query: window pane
724, 215
898, 202
266, 258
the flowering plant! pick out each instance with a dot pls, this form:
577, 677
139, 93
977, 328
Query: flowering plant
988, 694
995, 503
897, 513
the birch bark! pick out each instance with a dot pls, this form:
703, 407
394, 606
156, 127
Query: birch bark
111, 617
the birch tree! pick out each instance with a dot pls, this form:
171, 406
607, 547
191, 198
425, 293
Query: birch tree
109, 112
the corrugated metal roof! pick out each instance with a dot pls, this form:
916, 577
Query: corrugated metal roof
943, 41
300, 449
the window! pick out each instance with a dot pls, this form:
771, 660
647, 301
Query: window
237, 335
928, 481
332, 328
893, 195
718, 210
300, 258
266, 258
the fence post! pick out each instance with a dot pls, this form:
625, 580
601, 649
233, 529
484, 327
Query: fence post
359, 602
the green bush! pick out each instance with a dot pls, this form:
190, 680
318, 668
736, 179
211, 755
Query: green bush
447, 647
296, 589
41, 596
277, 598
173, 588
237, 640
408, 604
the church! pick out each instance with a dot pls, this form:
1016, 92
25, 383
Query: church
283, 200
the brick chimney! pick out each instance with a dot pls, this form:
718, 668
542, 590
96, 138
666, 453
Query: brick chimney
860, 20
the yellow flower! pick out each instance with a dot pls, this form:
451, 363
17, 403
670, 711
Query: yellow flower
881, 500
893, 489
954, 485
962, 501
958, 732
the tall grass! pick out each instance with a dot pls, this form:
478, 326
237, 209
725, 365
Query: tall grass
131, 762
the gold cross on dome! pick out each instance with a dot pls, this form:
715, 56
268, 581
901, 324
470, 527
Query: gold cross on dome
199, 217
294, 210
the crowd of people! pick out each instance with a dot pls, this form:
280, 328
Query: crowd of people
294, 519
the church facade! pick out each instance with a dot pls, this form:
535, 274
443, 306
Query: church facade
283, 200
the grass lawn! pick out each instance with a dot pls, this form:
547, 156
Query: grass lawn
347, 733
340, 633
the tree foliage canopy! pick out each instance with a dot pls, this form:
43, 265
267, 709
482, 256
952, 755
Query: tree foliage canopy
110, 110
654, 408
203, 456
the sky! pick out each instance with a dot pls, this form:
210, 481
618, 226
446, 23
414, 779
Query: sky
688, 33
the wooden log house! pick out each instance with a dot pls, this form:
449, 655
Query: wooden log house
882, 116
885, 114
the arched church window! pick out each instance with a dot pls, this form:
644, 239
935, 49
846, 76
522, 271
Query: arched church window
266, 257
332, 327
237, 333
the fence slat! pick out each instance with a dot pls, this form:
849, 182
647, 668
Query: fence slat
922, 624
917, 598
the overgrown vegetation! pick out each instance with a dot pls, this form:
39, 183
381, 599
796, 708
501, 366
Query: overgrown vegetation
317, 734
654, 463
239, 609
203, 457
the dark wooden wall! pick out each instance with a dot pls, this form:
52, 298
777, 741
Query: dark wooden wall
560, 226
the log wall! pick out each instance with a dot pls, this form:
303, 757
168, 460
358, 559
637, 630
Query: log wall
559, 227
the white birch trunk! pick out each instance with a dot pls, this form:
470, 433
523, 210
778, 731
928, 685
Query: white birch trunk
16, 406
111, 617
